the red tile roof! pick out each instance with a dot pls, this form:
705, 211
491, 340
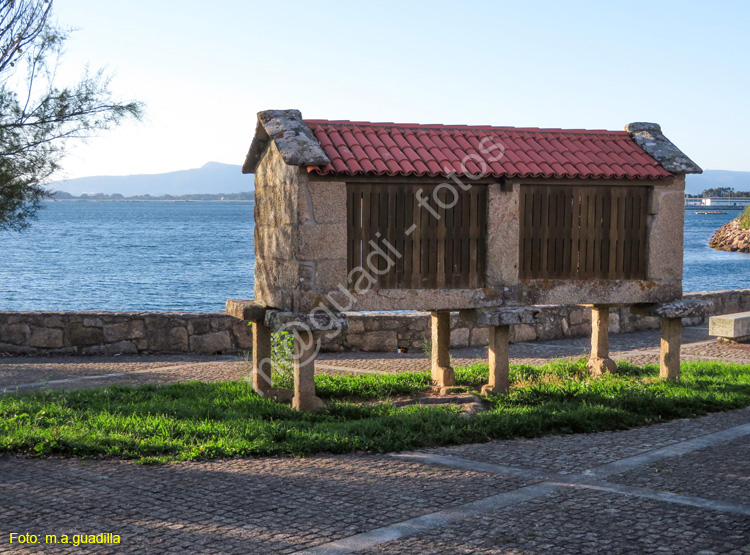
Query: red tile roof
364, 148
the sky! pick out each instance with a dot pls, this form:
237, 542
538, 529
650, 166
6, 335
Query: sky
204, 70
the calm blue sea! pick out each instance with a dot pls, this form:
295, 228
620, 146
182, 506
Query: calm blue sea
193, 256
87, 255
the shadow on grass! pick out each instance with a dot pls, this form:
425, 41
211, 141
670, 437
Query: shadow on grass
196, 420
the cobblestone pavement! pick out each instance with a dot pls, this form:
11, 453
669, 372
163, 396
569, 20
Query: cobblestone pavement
677, 487
585, 522
74, 372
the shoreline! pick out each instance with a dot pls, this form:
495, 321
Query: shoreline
731, 237
143, 200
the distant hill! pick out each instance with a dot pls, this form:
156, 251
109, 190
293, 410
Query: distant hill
213, 177
711, 179
216, 178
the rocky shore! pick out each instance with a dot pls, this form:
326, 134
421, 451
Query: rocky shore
731, 237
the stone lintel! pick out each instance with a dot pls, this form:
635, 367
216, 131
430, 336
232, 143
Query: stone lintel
684, 308
305, 321
246, 310
504, 316
650, 138
294, 140
609, 292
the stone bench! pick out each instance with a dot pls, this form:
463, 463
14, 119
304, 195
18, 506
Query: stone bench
732, 328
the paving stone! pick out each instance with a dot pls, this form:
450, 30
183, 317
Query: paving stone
578, 452
135, 370
578, 522
721, 472
234, 506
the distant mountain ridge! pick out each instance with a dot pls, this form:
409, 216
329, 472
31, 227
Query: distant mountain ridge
215, 177
212, 177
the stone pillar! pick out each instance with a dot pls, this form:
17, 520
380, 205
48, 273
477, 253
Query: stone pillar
262, 369
671, 315
599, 361
442, 373
304, 372
671, 341
498, 361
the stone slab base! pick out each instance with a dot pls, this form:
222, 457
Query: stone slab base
734, 340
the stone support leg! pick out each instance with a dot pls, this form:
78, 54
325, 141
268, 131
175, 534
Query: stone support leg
498, 361
442, 373
262, 369
671, 341
599, 361
304, 373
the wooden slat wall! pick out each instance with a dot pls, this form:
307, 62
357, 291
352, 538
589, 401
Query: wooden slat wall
583, 232
448, 252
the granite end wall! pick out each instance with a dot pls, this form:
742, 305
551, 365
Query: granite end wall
111, 333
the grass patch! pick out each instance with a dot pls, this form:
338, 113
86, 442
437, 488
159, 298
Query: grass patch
196, 420
367, 386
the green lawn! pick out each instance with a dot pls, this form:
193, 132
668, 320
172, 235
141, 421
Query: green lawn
198, 420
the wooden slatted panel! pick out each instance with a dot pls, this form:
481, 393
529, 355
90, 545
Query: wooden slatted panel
583, 232
444, 252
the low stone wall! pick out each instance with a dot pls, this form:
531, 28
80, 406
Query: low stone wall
110, 333
389, 331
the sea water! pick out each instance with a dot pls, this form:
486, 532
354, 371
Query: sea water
152, 256
193, 256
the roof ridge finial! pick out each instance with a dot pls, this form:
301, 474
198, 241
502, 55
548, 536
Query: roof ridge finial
650, 138
296, 143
